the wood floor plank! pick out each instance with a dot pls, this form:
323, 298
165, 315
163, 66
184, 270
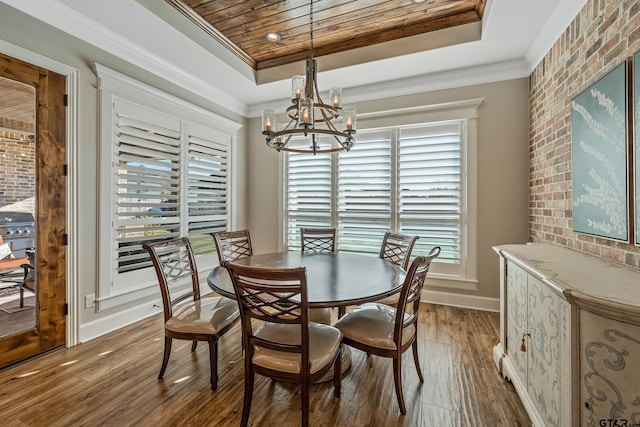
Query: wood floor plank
112, 381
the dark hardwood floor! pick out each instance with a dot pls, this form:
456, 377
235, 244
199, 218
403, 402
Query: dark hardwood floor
112, 381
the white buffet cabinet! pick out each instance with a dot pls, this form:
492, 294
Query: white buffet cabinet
570, 336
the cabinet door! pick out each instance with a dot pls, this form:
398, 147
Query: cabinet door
609, 371
549, 337
516, 318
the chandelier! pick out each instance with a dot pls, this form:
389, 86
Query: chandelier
311, 126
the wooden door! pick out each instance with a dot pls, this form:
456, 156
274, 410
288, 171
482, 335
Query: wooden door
49, 329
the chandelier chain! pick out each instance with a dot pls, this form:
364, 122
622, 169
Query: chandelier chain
311, 27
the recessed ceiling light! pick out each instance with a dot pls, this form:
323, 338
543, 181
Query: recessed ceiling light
418, 1
273, 37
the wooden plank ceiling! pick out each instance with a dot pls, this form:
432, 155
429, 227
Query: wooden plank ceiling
338, 25
17, 110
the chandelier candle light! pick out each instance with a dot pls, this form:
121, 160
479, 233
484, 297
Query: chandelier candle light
312, 119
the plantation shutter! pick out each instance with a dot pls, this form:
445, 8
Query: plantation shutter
364, 193
308, 194
207, 181
429, 191
147, 182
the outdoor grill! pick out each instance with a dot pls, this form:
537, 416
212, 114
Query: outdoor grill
18, 230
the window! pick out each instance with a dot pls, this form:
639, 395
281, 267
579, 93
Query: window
164, 173
407, 178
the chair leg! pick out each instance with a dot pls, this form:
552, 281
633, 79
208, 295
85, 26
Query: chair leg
305, 402
248, 394
397, 376
416, 361
165, 357
337, 373
213, 363
194, 345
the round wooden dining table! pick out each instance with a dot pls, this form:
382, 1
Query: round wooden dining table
333, 279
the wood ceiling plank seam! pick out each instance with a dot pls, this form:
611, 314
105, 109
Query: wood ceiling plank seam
292, 23
212, 6
256, 46
355, 43
371, 34
254, 10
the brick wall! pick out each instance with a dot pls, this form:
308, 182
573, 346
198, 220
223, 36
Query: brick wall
17, 175
605, 33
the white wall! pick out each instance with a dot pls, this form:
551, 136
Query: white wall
30, 34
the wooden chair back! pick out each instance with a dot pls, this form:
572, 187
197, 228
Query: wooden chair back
232, 245
396, 248
272, 296
411, 292
175, 264
320, 240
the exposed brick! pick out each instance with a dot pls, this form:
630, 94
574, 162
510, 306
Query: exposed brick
604, 34
17, 171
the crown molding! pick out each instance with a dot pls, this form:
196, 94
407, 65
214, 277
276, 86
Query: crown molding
70, 21
419, 84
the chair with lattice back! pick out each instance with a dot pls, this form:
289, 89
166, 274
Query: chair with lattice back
280, 341
231, 245
396, 248
187, 316
317, 240
386, 331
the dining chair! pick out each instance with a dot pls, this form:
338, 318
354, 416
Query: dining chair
320, 240
396, 248
188, 316
385, 331
279, 340
231, 245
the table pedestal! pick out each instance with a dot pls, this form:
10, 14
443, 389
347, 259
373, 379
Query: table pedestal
346, 364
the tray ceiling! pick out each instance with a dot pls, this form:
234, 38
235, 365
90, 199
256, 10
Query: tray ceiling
338, 25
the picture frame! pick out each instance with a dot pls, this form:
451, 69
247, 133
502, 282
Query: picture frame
600, 156
635, 167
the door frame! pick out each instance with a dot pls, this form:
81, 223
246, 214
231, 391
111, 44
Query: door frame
71, 142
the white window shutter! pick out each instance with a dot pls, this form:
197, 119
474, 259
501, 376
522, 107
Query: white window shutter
207, 181
429, 192
308, 189
364, 193
147, 182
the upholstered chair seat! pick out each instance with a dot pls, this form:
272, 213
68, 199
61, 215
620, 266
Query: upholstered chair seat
279, 340
373, 325
390, 331
187, 316
204, 316
324, 342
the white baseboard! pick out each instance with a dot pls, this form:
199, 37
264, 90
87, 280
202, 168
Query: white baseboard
117, 320
120, 319
460, 300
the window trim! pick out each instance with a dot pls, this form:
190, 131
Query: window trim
466, 110
112, 86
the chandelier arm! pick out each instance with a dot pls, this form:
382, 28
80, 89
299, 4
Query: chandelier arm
321, 113
328, 119
315, 83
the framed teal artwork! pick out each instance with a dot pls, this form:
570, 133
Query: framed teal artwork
599, 156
